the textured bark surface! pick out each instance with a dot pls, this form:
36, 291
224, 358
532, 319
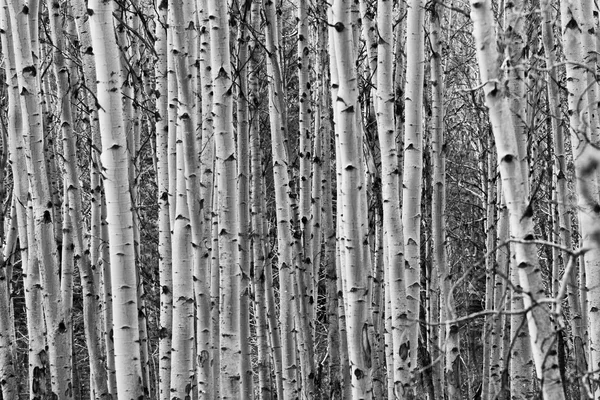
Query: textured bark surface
515, 189
115, 162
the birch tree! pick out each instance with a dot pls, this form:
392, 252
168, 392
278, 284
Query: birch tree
115, 161
23, 20
352, 188
228, 216
516, 195
413, 165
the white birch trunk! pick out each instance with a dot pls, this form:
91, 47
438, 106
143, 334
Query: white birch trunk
202, 269
164, 223
352, 187
413, 169
284, 217
514, 183
23, 21
392, 215
227, 210
115, 163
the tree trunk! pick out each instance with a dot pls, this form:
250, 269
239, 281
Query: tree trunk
115, 163
23, 21
514, 186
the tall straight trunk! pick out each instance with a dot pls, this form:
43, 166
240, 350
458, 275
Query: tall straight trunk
202, 268
257, 215
514, 185
215, 301
392, 215
582, 128
8, 382
7, 369
521, 384
164, 224
79, 12
329, 263
107, 295
67, 271
352, 188
308, 270
24, 215
227, 211
345, 374
276, 340
497, 387
448, 338
489, 184
75, 209
283, 198
243, 172
23, 21
130, 68
563, 213
115, 163
172, 101
185, 248
413, 169
182, 366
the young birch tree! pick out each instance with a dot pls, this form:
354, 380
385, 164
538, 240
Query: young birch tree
185, 248
392, 215
115, 164
23, 20
228, 216
202, 271
413, 169
448, 336
583, 133
164, 224
352, 188
283, 210
516, 195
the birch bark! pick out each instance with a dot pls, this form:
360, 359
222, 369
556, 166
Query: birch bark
115, 163
516, 195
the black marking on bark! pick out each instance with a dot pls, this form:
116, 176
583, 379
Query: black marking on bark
30, 69
90, 11
47, 217
403, 351
508, 158
25, 10
572, 24
366, 346
339, 27
528, 212
359, 373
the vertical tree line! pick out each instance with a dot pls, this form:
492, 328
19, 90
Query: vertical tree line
299, 199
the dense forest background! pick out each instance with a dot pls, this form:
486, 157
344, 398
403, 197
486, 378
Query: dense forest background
299, 199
